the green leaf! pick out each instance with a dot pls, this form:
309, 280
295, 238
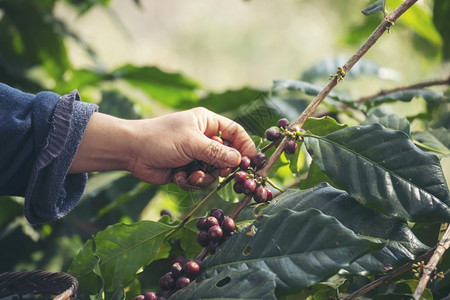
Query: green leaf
388, 120
408, 95
375, 7
435, 140
170, 89
419, 19
121, 250
301, 248
82, 268
315, 176
441, 11
322, 126
383, 169
402, 246
232, 284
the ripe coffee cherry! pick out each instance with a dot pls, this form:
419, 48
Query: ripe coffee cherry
201, 224
240, 176
165, 212
249, 186
167, 282
177, 270
228, 225
215, 233
140, 297
269, 194
203, 238
211, 221
182, 282
245, 163
259, 160
272, 134
238, 187
283, 123
191, 269
290, 147
150, 296
197, 177
217, 139
218, 214
260, 194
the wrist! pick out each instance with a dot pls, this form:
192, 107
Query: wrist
106, 145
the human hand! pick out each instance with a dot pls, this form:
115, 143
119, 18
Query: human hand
153, 149
183, 137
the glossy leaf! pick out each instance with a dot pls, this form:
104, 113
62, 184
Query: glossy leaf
301, 248
435, 140
383, 169
286, 85
388, 120
408, 95
402, 246
232, 284
121, 250
441, 11
322, 126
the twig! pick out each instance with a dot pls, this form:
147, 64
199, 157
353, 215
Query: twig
441, 247
419, 85
388, 277
388, 21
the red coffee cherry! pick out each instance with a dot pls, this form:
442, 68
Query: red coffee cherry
203, 238
182, 282
269, 194
240, 176
272, 134
238, 187
215, 233
249, 186
211, 221
245, 163
139, 297
228, 225
201, 224
283, 123
150, 296
290, 147
260, 194
218, 214
259, 160
191, 269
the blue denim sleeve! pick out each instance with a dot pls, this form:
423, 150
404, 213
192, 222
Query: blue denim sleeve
41, 134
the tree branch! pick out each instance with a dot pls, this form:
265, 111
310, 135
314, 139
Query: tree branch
441, 247
419, 85
388, 277
388, 21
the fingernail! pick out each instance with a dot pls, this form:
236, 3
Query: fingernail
233, 157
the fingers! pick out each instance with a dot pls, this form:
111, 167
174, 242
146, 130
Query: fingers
195, 180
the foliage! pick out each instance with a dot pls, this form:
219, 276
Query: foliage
367, 190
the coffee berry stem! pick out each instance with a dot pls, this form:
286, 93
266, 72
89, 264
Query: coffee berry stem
245, 201
274, 185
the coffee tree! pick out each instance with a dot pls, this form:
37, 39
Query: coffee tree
343, 199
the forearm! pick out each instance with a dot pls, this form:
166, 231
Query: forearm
107, 144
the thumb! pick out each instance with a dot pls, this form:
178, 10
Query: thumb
214, 153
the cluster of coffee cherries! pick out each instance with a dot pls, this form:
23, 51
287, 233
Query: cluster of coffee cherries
246, 182
214, 229
273, 134
180, 276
